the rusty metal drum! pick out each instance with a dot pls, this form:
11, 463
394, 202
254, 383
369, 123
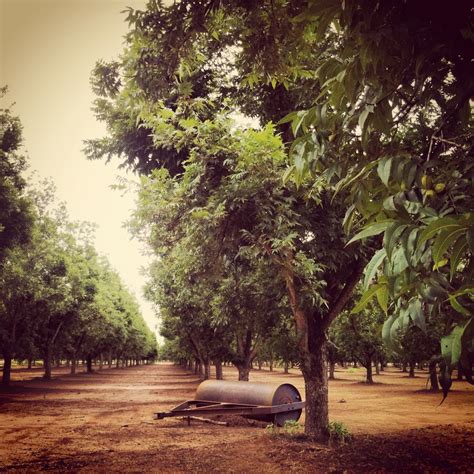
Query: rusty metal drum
253, 393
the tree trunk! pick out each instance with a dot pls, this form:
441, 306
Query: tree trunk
7, 368
315, 373
47, 363
219, 374
244, 371
412, 370
259, 364
89, 365
30, 362
433, 376
73, 365
332, 368
270, 364
101, 362
201, 369
368, 368
110, 361
377, 368
207, 369
404, 367
286, 367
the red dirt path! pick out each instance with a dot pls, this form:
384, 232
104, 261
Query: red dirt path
103, 422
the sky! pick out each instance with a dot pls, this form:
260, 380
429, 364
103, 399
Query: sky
47, 51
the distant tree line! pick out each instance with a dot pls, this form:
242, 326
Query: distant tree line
59, 300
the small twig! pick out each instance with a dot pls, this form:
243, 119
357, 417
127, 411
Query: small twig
450, 142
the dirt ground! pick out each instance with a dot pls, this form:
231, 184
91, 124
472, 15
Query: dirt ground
103, 422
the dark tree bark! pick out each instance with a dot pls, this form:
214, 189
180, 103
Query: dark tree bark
433, 376
368, 368
7, 367
244, 371
89, 364
315, 373
286, 367
332, 369
73, 365
411, 374
47, 363
246, 355
219, 374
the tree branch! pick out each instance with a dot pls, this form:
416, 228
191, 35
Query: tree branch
345, 294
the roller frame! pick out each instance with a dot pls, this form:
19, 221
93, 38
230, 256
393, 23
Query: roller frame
206, 407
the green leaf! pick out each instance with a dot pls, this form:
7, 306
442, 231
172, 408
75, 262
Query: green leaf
444, 240
382, 298
453, 300
399, 262
372, 267
288, 172
438, 225
409, 243
387, 325
372, 229
345, 183
348, 218
416, 313
365, 298
396, 326
297, 121
287, 118
451, 347
392, 235
368, 109
383, 169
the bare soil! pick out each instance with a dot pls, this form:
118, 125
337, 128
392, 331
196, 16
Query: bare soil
103, 422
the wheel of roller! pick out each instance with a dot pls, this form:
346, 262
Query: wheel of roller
286, 393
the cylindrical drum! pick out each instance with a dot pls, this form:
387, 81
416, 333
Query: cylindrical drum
252, 393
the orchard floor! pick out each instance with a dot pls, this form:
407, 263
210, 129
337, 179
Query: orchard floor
103, 422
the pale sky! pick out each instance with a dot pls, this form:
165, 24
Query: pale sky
47, 51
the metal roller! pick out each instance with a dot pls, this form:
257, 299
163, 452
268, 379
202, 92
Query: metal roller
253, 393
260, 401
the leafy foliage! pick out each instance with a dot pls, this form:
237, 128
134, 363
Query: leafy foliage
15, 209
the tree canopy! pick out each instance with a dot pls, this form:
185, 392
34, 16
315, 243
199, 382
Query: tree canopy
370, 102
58, 298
